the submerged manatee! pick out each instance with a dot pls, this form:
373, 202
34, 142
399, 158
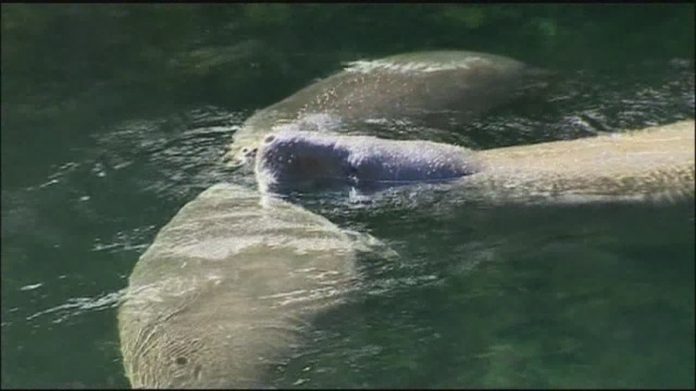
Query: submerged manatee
422, 88
651, 163
227, 287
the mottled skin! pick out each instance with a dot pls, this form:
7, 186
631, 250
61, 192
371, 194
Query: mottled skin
655, 163
226, 288
422, 88
652, 163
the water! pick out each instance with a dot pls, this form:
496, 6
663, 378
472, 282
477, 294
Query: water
109, 127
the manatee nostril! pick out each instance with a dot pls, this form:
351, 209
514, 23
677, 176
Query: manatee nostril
245, 150
269, 139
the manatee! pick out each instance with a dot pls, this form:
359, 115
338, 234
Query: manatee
227, 287
651, 163
430, 89
297, 160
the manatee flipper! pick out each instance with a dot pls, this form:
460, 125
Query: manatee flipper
227, 287
432, 88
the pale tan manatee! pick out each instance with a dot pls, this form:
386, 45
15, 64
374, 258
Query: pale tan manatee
428, 88
652, 163
226, 289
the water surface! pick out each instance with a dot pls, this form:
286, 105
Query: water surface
114, 118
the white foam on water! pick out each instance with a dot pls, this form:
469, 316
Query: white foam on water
367, 66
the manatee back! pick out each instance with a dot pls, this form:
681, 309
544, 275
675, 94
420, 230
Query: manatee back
415, 87
655, 163
227, 286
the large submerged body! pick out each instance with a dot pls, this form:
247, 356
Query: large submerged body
227, 287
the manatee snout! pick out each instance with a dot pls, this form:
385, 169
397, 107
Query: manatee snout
290, 161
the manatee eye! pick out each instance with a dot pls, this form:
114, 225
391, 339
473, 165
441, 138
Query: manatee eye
181, 360
269, 138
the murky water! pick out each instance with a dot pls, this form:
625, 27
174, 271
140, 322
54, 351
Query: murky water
536, 296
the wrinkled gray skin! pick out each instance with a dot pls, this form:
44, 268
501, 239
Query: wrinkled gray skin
432, 89
292, 160
647, 164
227, 287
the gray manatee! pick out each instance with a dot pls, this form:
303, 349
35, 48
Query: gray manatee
422, 88
227, 287
652, 163
296, 160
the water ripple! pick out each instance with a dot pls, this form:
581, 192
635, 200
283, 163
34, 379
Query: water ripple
80, 305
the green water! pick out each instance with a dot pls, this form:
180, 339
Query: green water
113, 117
